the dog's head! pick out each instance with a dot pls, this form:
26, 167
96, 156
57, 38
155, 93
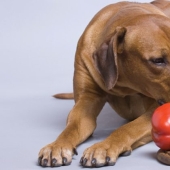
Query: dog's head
138, 56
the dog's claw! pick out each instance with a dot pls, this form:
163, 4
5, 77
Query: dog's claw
53, 162
81, 160
93, 162
107, 160
126, 153
44, 162
65, 161
84, 161
39, 160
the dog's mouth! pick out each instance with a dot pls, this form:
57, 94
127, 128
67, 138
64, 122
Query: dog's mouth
161, 102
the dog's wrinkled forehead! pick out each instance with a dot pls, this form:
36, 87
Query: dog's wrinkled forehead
147, 38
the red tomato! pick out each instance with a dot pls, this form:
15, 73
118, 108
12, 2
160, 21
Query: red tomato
161, 126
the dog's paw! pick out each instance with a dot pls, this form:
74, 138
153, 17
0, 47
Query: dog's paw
163, 156
56, 154
102, 154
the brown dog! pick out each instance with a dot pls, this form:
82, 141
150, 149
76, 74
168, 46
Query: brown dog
123, 58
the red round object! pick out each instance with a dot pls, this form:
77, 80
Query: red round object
161, 126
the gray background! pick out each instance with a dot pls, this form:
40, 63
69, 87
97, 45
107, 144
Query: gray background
37, 45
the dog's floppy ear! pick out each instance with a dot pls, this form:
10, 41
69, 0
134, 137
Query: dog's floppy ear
105, 58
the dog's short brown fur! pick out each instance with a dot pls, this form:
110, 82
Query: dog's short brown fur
123, 58
163, 5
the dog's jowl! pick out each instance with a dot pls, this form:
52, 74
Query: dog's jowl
123, 58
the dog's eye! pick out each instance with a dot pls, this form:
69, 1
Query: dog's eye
158, 61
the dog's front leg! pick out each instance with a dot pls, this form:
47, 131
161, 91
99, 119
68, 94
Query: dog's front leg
81, 123
120, 142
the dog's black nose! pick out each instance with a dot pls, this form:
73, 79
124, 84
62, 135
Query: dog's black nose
161, 102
